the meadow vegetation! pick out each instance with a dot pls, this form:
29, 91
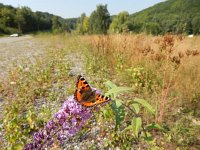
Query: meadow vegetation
156, 105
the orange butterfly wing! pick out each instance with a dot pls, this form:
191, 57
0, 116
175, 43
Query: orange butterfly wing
82, 87
86, 96
101, 99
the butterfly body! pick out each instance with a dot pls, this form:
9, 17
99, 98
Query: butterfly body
86, 96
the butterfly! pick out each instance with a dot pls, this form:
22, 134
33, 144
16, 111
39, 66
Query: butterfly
86, 96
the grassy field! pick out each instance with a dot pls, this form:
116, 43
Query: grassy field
160, 112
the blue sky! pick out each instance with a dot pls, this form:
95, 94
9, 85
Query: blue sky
74, 8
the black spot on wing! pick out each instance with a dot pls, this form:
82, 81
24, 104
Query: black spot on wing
85, 82
107, 98
82, 79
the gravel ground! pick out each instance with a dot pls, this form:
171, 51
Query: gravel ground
12, 50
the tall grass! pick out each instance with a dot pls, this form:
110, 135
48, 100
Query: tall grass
165, 71
171, 63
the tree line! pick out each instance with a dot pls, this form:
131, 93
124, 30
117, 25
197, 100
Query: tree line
177, 16
23, 20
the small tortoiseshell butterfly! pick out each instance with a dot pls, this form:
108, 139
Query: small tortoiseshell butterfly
86, 96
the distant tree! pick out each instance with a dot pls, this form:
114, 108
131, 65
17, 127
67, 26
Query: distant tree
26, 19
7, 20
119, 23
188, 28
20, 19
135, 26
93, 22
79, 28
99, 20
152, 28
196, 25
46, 21
65, 26
72, 23
56, 25
86, 23
38, 17
7, 16
180, 27
83, 24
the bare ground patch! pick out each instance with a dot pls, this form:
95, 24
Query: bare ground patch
13, 49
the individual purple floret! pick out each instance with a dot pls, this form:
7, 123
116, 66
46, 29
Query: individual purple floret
66, 123
39, 136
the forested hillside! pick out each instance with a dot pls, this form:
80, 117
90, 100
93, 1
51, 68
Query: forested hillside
23, 20
178, 16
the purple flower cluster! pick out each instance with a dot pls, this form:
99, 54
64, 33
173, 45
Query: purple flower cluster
65, 123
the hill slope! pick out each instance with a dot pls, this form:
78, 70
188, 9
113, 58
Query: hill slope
23, 20
179, 16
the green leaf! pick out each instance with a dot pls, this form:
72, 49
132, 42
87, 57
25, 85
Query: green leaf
110, 84
119, 111
146, 105
117, 90
136, 126
147, 136
154, 126
118, 102
135, 107
18, 147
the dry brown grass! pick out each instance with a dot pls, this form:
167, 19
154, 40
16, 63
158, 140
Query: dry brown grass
174, 59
